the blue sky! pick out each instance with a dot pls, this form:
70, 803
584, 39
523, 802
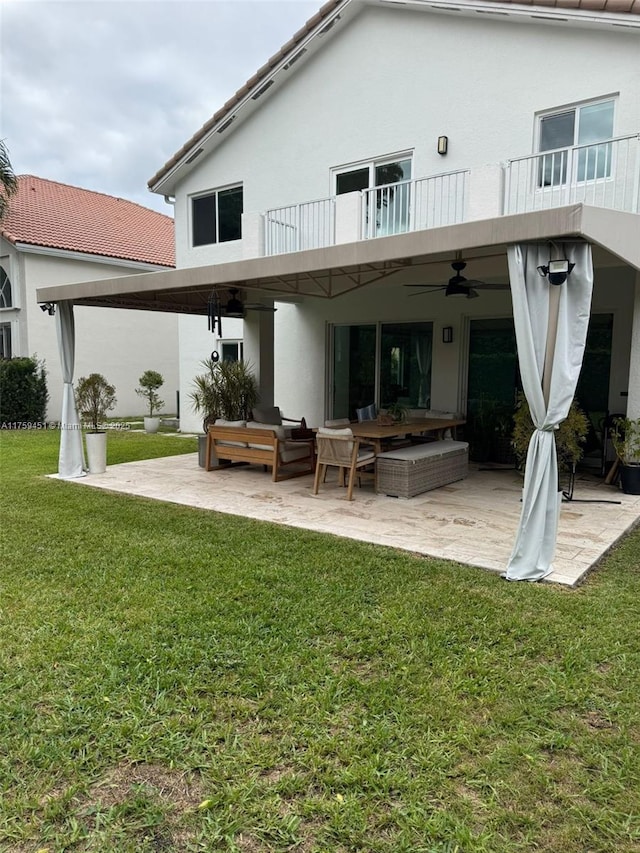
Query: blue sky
101, 94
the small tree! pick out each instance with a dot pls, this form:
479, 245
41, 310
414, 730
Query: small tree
94, 398
150, 381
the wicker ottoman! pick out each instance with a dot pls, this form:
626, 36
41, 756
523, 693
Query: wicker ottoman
409, 471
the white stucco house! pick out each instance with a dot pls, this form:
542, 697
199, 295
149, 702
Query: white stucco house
56, 234
383, 143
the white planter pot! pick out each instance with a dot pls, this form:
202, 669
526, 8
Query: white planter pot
151, 424
96, 452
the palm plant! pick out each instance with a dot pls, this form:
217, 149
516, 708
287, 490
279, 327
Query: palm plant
227, 390
8, 180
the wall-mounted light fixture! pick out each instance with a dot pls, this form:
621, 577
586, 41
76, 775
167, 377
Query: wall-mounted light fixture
447, 334
49, 307
443, 144
556, 271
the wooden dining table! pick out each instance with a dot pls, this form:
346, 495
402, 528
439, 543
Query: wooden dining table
377, 434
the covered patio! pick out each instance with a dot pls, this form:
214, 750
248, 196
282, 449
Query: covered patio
471, 521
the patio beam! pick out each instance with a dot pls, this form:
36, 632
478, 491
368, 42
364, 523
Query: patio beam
334, 270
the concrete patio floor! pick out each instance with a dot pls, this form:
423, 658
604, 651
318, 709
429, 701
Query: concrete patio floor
472, 521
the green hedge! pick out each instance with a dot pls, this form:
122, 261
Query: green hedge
23, 391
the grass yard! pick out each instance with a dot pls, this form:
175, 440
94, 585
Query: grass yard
179, 680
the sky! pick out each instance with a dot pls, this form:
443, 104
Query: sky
101, 94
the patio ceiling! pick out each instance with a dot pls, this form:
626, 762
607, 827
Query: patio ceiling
329, 272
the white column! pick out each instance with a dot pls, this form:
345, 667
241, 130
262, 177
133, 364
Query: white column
486, 188
348, 217
258, 351
633, 400
252, 235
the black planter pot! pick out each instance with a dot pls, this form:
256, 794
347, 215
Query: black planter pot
630, 479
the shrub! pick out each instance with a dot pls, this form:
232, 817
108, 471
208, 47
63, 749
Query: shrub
23, 390
570, 436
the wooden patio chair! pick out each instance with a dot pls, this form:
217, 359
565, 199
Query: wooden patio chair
341, 449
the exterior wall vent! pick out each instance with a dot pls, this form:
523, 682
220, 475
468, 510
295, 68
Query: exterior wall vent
263, 89
294, 59
326, 28
194, 155
223, 127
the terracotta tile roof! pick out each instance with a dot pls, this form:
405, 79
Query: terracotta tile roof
57, 216
608, 6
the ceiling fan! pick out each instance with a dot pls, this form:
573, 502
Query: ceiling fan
458, 285
236, 308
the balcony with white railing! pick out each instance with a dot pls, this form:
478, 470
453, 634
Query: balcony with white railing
603, 174
309, 225
414, 205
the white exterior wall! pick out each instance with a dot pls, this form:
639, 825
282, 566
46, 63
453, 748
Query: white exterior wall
390, 82
393, 80
117, 343
301, 332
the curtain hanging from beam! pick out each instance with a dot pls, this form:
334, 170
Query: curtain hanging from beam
551, 330
71, 462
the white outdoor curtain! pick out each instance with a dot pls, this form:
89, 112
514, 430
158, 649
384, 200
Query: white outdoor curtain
71, 455
537, 335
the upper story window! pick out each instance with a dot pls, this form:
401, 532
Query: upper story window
217, 217
587, 128
375, 173
389, 194
6, 299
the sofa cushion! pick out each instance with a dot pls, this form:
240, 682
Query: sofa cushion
425, 451
222, 422
278, 430
267, 415
289, 451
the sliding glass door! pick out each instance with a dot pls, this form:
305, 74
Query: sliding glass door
380, 363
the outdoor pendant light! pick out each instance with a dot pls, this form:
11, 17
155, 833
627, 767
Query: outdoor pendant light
234, 308
556, 271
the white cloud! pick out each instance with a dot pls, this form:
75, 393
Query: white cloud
100, 94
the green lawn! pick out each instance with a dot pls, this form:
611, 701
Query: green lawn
179, 680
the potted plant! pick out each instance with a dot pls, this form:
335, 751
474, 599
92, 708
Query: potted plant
226, 390
94, 398
626, 442
149, 383
570, 436
397, 412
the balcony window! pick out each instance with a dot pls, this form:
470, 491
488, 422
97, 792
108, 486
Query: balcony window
387, 198
588, 127
217, 217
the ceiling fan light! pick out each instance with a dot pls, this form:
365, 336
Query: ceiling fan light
454, 288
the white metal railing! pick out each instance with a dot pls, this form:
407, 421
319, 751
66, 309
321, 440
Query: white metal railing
414, 205
309, 225
604, 174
